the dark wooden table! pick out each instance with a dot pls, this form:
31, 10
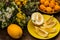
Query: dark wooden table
26, 35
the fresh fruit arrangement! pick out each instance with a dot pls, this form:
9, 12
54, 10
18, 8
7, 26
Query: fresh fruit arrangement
15, 14
43, 28
46, 30
49, 6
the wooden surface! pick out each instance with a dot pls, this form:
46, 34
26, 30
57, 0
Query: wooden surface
26, 35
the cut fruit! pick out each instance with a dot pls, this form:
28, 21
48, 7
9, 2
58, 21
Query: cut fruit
52, 24
49, 30
49, 23
37, 18
52, 30
49, 20
41, 32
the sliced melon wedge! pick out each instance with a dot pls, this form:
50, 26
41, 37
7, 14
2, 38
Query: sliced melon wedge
49, 23
49, 30
41, 32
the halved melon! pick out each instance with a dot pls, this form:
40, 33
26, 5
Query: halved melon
37, 18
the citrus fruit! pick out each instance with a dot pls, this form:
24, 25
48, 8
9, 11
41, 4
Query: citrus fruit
42, 1
52, 4
42, 7
14, 31
37, 18
57, 7
46, 3
48, 9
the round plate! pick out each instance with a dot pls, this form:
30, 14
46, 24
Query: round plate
31, 29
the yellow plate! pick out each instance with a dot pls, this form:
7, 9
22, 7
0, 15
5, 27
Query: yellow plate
31, 29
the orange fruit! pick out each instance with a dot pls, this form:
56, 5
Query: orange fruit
42, 1
42, 7
51, 4
14, 31
46, 3
48, 9
52, 1
57, 7
56, 3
